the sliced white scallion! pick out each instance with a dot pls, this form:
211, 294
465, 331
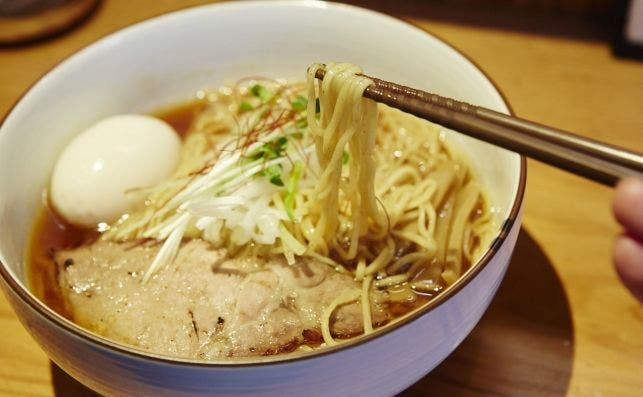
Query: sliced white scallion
244, 191
168, 251
290, 241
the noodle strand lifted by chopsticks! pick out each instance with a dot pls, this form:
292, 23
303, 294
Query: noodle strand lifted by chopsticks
346, 120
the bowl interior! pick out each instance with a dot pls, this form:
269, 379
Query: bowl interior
169, 58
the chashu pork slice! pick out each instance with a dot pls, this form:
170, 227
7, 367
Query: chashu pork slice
205, 305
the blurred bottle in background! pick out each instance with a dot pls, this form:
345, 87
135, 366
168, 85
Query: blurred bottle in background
629, 32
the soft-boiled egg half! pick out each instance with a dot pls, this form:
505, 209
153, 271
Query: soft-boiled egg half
95, 172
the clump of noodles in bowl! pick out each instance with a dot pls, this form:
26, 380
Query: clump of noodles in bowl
261, 233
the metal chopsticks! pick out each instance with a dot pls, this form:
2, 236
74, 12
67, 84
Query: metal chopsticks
594, 160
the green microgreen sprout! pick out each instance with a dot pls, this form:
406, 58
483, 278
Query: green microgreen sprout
272, 150
245, 106
299, 103
291, 190
261, 92
273, 172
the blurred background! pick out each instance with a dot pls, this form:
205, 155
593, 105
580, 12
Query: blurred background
26, 21
562, 324
607, 20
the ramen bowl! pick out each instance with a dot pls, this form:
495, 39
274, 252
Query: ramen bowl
170, 58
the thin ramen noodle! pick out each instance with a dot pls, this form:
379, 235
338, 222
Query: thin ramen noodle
312, 172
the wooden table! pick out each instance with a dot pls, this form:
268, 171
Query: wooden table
562, 324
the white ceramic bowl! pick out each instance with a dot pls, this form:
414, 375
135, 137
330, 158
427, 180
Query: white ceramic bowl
169, 58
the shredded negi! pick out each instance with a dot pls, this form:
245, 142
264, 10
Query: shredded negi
247, 192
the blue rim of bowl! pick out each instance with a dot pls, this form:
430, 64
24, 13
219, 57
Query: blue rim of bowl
66, 325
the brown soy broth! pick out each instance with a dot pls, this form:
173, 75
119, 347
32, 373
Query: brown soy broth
181, 116
51, 233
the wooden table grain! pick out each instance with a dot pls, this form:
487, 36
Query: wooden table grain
561, 324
